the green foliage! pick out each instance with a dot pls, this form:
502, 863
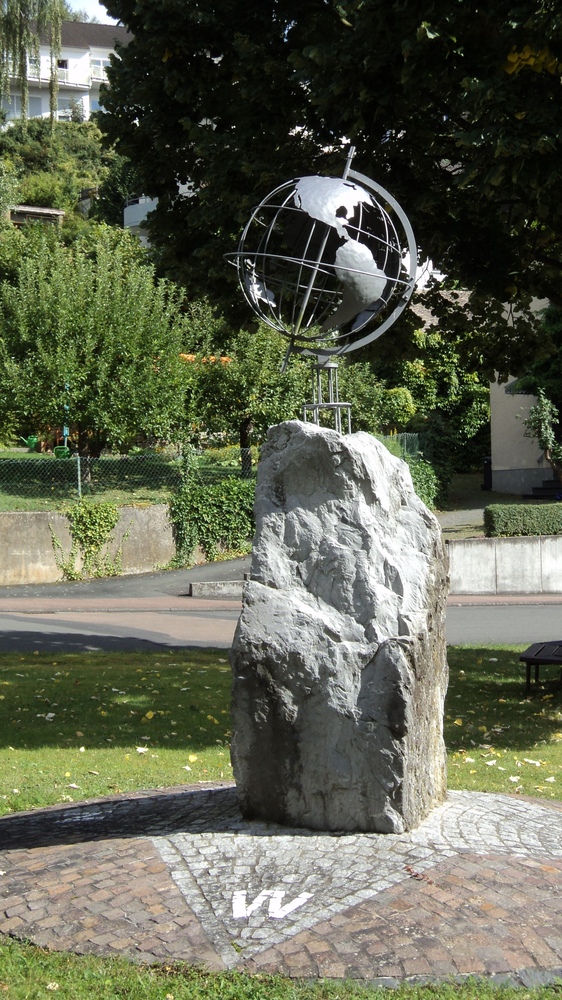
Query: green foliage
246, 384
8, 191
91, 525
55, 161
540, 424
50, 190
218, 517
91, 339
469, 139
508, 520
119, 184
452, 400
425, 480
359, 385
397, 408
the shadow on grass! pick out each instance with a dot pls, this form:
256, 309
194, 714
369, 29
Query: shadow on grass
75, 642
178, 698
487, 694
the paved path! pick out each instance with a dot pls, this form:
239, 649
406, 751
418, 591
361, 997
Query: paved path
86, 623
475, 890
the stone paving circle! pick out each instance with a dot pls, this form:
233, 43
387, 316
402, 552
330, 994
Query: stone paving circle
179, 875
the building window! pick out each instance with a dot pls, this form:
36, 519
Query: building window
64, 109
99, 68
12, 107
34, 108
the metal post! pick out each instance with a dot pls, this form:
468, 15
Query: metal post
332, 403
79, 474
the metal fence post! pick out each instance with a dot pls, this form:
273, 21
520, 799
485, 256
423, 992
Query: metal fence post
79, 474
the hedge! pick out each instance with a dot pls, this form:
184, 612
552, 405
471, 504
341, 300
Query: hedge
218, 517
425, 479
505, 520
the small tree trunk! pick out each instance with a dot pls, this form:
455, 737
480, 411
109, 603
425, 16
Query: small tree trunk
245, 433
555, 466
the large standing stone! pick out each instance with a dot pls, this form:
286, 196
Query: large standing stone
339, 657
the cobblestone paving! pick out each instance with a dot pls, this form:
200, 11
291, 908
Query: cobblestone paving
474, 890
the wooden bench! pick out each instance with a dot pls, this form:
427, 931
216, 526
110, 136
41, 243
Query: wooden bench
540, 653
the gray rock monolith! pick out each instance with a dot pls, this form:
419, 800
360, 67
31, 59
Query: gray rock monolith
339, 657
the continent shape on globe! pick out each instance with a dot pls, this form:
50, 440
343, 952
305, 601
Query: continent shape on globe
335, 202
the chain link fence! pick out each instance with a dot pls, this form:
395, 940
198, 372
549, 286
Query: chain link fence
48, 482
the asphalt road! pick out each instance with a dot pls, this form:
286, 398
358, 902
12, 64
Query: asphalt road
152, 610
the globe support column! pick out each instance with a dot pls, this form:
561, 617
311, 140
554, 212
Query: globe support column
332, 403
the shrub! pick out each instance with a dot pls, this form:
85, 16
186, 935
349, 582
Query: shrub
217, 517
507, 520
425, 479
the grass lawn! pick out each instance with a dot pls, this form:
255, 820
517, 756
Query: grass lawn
79, 726
92, 724
86, 725
28, 973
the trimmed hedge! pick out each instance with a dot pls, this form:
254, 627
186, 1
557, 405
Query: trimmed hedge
506, 520
217, 517
425, 479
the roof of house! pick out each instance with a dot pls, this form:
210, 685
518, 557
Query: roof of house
76, 35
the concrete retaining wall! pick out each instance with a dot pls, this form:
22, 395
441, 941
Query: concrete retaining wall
530, 565
477, 565
27, 553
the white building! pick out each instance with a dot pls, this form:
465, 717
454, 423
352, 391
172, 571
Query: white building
82, 64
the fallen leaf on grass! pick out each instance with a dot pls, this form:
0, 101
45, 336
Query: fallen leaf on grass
457, 722
490, 763
528, 760
141, 749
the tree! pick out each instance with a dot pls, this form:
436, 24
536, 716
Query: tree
544, 379
457, 111
21, 26
92, 340
243, 392
211, 92
540, 424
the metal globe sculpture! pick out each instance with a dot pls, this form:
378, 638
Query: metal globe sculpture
328, 261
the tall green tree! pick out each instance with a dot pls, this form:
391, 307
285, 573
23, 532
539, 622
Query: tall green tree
90, 339
243, 392
457, 110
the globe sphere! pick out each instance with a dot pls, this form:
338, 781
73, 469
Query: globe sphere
328, 261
